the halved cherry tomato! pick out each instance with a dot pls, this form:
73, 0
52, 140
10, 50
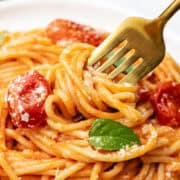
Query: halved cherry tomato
61, 30
143, 94
26, 97
166, 102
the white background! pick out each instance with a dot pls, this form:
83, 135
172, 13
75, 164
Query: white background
146, 8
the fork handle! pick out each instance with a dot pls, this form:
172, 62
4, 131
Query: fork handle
169, 12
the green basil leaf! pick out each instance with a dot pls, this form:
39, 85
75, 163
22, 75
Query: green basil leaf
2, 36
120, 61
108, 134
129, 69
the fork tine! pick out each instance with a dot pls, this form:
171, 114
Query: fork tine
127, 61
107, 45
138, 73
117, 55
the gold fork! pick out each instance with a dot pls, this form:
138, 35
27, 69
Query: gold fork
139, 38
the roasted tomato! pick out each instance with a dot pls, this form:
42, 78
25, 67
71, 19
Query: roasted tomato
25, 98
166, 102
66, 31
143, 94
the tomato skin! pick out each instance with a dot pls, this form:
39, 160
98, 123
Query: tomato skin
143, 94
166, 102
61, 30
26, 97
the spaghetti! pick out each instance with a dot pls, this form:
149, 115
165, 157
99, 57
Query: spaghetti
61, 149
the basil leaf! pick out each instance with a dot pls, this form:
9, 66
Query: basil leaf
129, 69
108, 134
119, 62
2, 36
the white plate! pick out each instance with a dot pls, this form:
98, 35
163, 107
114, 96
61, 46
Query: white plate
27, 14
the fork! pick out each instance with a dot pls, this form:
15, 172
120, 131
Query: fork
139, 38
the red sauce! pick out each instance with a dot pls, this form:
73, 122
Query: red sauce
26, 98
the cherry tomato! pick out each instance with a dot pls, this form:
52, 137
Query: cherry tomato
143, 94
166, 102
64, 31
25, 98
